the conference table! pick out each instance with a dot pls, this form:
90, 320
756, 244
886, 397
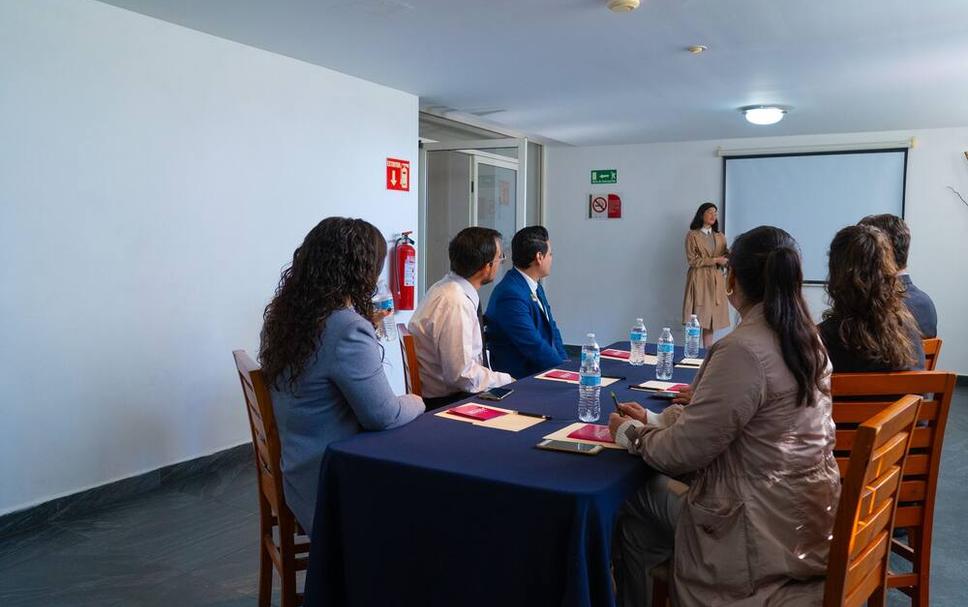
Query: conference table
441, 512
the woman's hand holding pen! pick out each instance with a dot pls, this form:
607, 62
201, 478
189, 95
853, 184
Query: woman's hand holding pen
633, 410
626, 411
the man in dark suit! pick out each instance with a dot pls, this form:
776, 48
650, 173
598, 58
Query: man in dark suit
918, 302
522, 336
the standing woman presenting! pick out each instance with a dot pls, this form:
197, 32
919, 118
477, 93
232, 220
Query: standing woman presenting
705, 286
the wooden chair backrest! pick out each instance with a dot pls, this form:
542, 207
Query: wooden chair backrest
859, 396
932, 350
265, 439
411, 368
859, 552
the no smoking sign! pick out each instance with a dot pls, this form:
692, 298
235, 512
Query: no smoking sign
604, 206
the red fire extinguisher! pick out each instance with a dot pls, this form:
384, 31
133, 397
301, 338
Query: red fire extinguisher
405, 272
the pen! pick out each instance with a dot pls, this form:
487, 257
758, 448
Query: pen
617, 409
527, 414
641, 388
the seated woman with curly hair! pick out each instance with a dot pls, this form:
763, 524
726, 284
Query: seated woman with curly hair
868, 327
320, 355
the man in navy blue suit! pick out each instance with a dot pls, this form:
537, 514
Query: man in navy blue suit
522, 336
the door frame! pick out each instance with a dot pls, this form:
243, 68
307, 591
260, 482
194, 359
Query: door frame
476, 148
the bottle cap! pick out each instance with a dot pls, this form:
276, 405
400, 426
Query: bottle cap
638, 320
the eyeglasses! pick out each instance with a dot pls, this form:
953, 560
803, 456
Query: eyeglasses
501, 259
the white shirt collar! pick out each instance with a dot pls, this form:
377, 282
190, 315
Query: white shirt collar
707, 230
468, 288
531, 282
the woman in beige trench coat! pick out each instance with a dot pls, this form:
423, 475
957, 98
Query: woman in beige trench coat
705, 286
745, 485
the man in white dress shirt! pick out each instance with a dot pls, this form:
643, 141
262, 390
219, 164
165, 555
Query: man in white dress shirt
446, 326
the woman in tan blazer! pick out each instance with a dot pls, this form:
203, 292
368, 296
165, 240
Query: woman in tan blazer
746, 486
705, 287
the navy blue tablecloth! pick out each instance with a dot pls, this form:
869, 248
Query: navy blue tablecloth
445, 513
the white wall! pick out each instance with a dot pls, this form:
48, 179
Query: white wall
153, 182
608, 272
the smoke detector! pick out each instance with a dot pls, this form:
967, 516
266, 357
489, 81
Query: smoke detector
623, 6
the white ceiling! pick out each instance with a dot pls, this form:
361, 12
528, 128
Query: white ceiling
572, 71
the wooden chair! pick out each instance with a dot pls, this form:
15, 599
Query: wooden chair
411, 368
857, 567
859, 552
281, 540
932, 350
858, 396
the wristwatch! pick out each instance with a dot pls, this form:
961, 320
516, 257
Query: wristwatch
632, 434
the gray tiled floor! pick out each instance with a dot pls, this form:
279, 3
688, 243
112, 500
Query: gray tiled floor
193, 542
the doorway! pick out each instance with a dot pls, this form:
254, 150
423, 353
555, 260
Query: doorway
470, 183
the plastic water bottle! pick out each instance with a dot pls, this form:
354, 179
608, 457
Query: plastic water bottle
663, 369
693, 337
638, 336
590, 386
383, 300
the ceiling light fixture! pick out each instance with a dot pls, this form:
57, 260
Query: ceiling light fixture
764, 114
623, 6
697, 49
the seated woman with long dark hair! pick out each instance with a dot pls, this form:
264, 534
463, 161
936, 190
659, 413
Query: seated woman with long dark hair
320, 355
868, 327
746, 486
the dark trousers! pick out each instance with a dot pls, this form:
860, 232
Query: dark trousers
644, 538
443, 401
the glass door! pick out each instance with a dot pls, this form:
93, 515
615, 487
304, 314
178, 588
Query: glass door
468, 183
495, 204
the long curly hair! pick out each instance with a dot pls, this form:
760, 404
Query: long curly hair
867, 297
339, 261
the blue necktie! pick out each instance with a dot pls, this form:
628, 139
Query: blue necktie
544, 303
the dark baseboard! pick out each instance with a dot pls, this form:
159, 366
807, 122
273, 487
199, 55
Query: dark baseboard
78, 504
962, 380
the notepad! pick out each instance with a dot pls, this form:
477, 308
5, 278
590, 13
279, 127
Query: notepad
571, 377
564, 435
476, 412
506, 420
693, 363
592, 432
511, 423
616, 354
657, 385
625, 355
559, 375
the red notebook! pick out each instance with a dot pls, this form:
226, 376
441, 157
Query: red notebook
623, 354
593, 432
558, 374
476, 412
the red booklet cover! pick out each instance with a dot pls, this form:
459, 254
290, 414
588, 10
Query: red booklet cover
559, 374
593, 432
477, 412
623, 354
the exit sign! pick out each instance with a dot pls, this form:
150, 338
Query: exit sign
605, 176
